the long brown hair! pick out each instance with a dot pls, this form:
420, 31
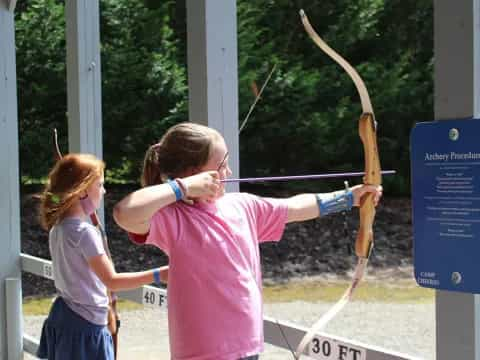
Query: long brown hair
70, 176
184, 147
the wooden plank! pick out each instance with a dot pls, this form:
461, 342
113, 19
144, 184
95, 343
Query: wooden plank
324, 346
30, 344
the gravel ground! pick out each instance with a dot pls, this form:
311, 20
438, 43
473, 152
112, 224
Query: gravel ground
406, 328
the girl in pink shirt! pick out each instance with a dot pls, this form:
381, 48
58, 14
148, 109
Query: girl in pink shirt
211, 239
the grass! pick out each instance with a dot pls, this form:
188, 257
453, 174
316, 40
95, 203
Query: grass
41, 306
402, 291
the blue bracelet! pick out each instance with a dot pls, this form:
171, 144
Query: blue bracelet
337, 203
156, 276
176, 189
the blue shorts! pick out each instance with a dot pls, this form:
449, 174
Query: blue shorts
66, 335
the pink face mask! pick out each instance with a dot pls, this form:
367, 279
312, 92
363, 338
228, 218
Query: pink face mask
87, 205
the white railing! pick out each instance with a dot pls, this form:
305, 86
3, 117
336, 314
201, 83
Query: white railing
278, 333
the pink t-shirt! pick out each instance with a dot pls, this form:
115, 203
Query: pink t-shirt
214, 284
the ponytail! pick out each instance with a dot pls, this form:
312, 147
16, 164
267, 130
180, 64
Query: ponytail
151, 174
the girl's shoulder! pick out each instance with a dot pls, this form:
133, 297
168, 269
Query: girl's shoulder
76, 225
239, 199
252, 202
75, 230
238, 196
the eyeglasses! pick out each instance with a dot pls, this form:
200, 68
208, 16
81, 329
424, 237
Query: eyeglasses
222, 163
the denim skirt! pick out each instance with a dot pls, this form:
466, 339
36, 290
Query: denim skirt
66, 335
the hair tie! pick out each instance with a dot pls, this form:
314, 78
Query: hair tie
155, 146
54, 198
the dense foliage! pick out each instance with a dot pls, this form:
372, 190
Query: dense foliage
308, 112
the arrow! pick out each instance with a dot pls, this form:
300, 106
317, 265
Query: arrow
303, 177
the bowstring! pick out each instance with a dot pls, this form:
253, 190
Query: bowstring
242, 126
286, 339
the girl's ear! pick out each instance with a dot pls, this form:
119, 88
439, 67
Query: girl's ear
83, 194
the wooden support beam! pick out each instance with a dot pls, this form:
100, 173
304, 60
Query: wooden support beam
11, 5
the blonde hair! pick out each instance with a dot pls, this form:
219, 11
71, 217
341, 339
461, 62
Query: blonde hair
184, 147
70, 176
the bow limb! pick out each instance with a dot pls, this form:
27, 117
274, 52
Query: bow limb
368, 135
360, 85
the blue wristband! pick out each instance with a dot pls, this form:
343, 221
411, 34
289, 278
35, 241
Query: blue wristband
156, 276
176, 189
337, 203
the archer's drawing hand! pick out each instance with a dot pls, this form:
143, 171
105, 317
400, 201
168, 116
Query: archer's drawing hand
203, 186
360, 190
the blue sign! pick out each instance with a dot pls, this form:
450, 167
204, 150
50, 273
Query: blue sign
445, 161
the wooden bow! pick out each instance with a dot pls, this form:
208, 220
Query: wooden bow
368, 136
113, 318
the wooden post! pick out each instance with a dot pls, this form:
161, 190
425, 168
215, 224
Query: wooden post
84, 94
83, 76
212, 70
9, 181
457, 91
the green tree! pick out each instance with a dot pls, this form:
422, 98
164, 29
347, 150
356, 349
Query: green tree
310, 109
308, 113
144, 86
41, 76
